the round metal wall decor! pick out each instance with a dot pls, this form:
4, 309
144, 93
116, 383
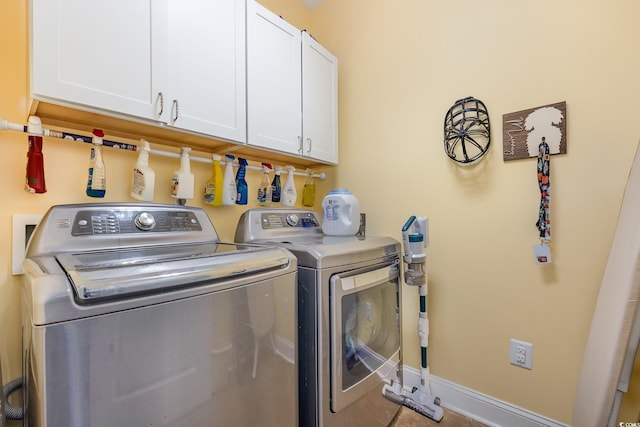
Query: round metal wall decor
466, 130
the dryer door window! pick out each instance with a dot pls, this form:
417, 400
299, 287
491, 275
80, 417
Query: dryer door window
365, 332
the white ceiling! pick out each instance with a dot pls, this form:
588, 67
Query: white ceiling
312, 3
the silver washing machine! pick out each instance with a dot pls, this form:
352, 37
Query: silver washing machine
136, 315
349, 327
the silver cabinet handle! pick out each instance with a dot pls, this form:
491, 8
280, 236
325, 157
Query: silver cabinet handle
308, 145
160, 98
300, 147
175, 109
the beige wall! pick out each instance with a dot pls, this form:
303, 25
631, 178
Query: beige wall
13, 107
402, 65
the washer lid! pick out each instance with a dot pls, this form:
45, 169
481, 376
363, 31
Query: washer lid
299, 231
324, 251
119, 273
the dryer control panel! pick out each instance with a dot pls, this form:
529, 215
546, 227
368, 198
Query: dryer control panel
303, 219
277, 224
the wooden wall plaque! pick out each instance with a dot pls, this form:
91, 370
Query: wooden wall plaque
523, 130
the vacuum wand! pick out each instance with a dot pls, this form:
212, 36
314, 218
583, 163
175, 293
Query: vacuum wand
415, 238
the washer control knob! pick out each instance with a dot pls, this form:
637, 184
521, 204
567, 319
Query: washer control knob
145, 221
292, 220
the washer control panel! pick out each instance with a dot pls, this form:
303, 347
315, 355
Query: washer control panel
95, 222
302, 219
95, 227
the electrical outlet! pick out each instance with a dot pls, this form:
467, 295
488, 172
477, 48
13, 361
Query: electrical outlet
521, 354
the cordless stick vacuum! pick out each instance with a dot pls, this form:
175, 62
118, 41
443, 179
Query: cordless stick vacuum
414, 240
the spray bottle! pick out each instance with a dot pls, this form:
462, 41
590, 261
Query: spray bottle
309, 190
241, 183
213, 187
183, 180
229, 189
276, 188
34, 182
264, 190
97, 181
289, 193
143, 180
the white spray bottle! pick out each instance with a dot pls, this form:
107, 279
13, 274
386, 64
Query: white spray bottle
143, 180
229, 188
183, 180
264, 191
97, 182
289, 193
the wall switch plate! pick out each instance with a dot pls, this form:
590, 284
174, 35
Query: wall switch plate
521, 354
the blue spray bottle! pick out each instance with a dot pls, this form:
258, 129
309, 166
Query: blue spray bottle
276, 187
241, 183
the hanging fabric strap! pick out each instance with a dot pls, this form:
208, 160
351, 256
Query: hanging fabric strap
544, 221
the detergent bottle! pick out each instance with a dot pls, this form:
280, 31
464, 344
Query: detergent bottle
241, 183
309, 190
183, 180
340, 213
264, 190
229, 189
213, 187
276, 188
97, 181
143, 180
289, 193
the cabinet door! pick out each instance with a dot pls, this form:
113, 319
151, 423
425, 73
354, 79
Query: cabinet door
199, 65
319, 101
93, 52
274, 87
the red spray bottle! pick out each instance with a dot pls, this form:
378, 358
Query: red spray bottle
35, 160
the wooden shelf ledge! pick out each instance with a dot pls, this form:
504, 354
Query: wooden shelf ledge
130, 131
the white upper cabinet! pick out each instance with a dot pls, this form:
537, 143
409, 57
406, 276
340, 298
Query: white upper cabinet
319, 101
93, 53
180, 62
292, 89
274, 81
230, 69
199, 65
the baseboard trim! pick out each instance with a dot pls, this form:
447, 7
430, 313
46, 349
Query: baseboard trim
478, 406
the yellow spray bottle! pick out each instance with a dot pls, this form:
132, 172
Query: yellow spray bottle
309, 190
213, 187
